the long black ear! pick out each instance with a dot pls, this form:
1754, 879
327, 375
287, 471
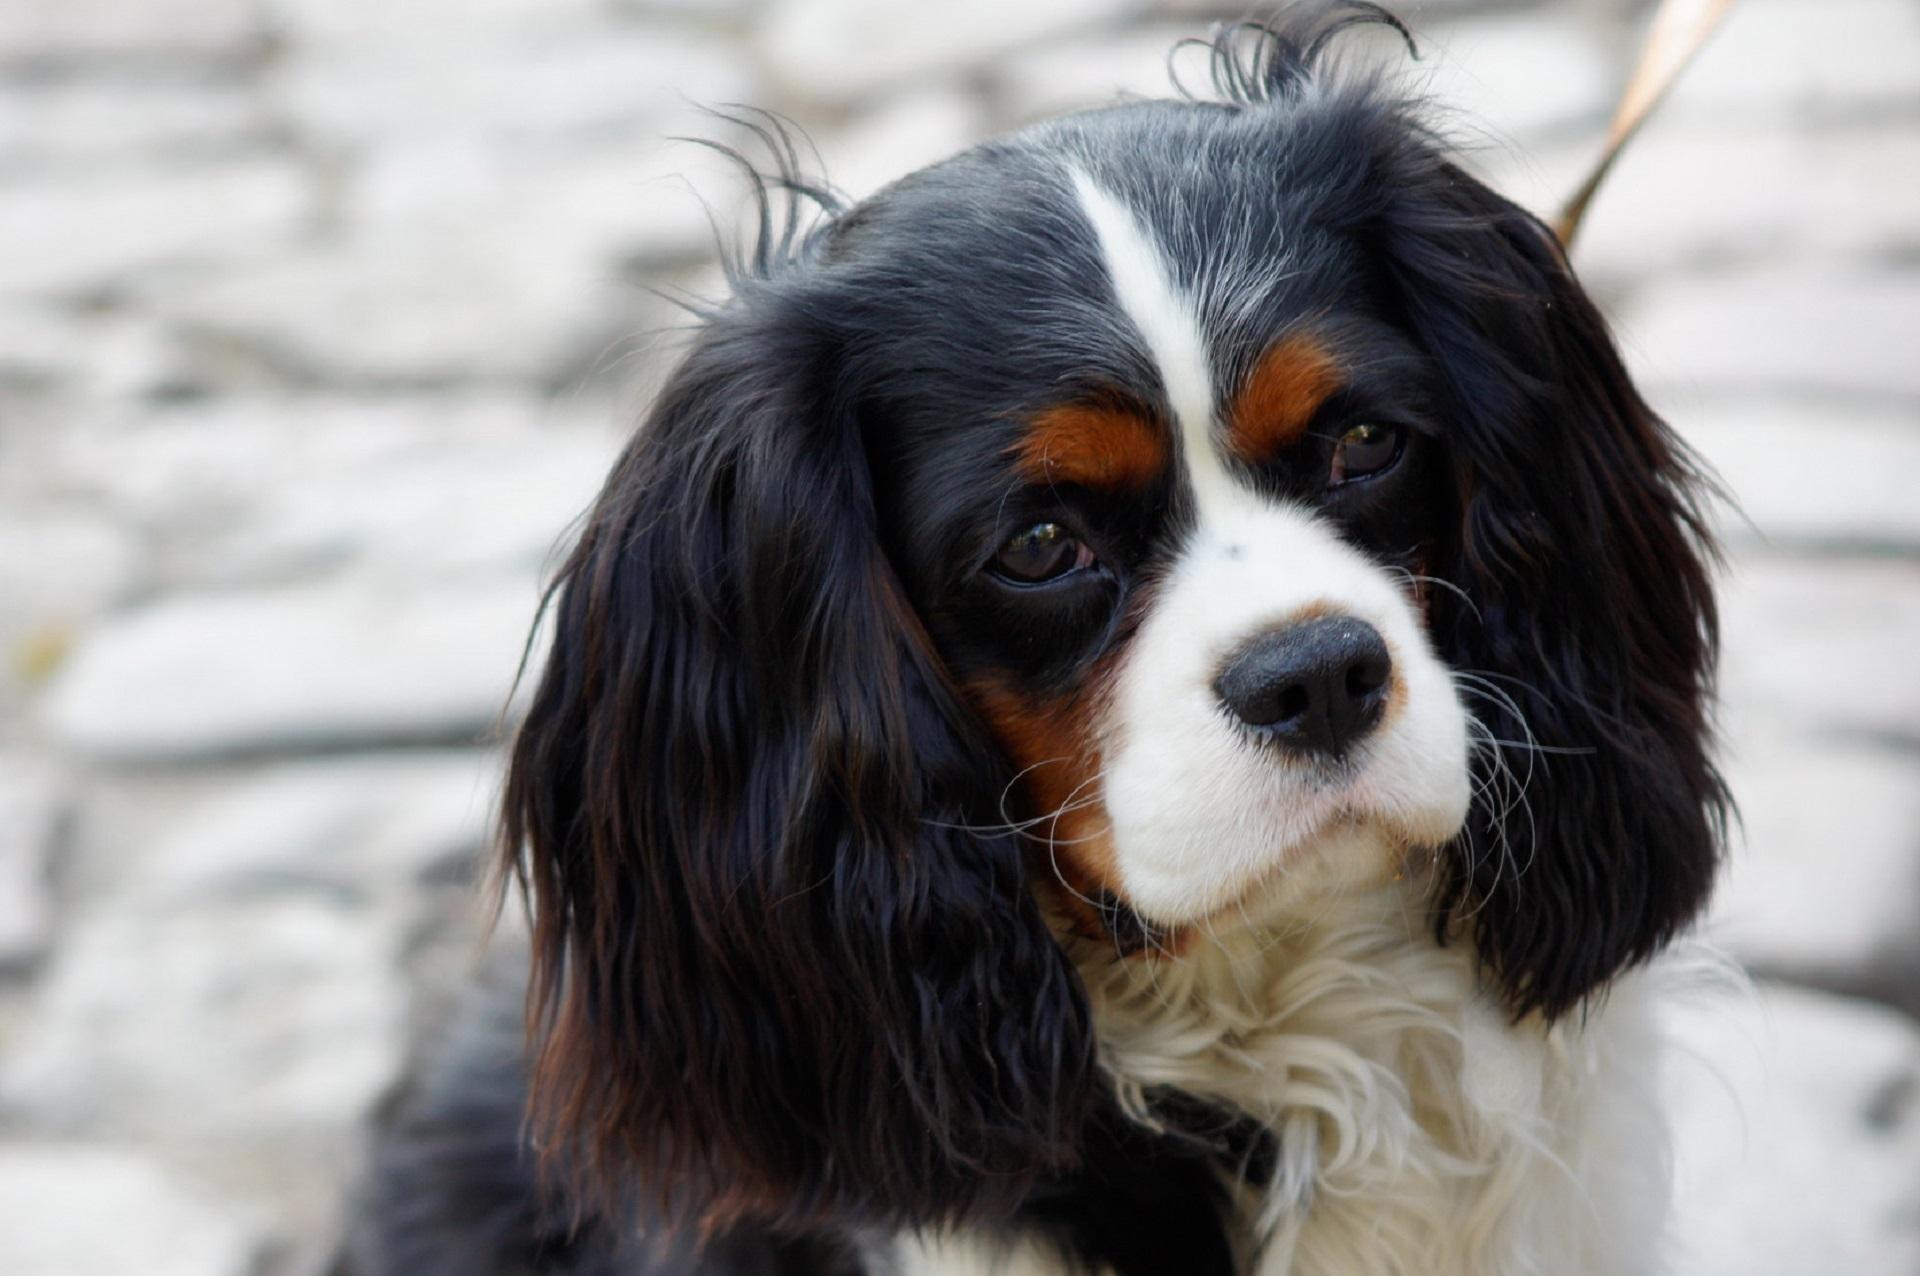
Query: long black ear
1584, 621
780, 973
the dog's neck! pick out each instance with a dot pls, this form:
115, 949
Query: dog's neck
1416, 1127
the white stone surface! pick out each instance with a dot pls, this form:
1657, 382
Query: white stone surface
707, 10
408, 309
46, 350
375, 23
1049, 78
62, 32
368, 825
191, 1020
558, 83
1811, 472
293, 668
636, 200
840, 50
498, 507
1793, 60
1794, 327
213, 465
1825, 644
1798, 1144
32, 800
1780, 189
75, 123
82, 233
60, 568
77, 1209
1823, 878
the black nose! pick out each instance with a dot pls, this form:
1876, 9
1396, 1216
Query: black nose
1314, 687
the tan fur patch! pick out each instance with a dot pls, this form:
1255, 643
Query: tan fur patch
1071, 843
1092, 445
1277, 402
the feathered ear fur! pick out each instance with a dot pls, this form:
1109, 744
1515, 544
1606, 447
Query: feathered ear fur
1584, 619
780, 974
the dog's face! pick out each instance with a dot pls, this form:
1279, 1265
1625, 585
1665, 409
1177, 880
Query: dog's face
1179, 510
1166, 505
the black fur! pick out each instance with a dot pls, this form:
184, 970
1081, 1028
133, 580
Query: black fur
1584, 606
775, 979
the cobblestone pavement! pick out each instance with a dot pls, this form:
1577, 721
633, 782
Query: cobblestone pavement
319, 320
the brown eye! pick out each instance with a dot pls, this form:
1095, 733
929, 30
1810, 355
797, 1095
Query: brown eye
1365, 450
1045, 551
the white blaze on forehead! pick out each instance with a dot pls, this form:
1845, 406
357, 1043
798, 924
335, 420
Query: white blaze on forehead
1146, 291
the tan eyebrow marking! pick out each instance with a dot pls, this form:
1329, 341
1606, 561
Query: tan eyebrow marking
1278, 400
1091, 445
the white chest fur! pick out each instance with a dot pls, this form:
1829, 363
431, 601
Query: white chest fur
1419, 1129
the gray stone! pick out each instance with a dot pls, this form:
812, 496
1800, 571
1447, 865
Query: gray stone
61, 567
1047, 79
213, 465
305, 23
81, 234
31, 803
89, 1210
1824, 644
296, 668
66, 124
368, 824
1778, 192
1790, 60
556, 83
407, 309
1811, 472
734, 11
47, 351
1824, 877
617, 201
496, 505
1798, 1139
58, 33
844, 51
198, 1020
1795, 327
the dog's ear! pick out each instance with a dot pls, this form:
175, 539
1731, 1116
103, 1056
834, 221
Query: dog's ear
784, 966
1583, 628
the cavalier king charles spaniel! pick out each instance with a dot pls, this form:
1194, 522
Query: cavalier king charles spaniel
1138, 705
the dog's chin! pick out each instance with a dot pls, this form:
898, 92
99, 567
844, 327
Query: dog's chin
1344, 855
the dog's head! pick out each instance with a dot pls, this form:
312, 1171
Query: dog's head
1163, 516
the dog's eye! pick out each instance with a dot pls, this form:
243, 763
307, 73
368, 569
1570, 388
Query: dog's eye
1365, 450
1045, 551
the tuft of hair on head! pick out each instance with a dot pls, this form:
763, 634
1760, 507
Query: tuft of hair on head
1259, 61
793, 206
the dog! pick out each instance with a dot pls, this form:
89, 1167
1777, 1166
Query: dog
1139, 704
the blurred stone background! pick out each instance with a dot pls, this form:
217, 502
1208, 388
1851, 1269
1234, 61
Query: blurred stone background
320, 319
